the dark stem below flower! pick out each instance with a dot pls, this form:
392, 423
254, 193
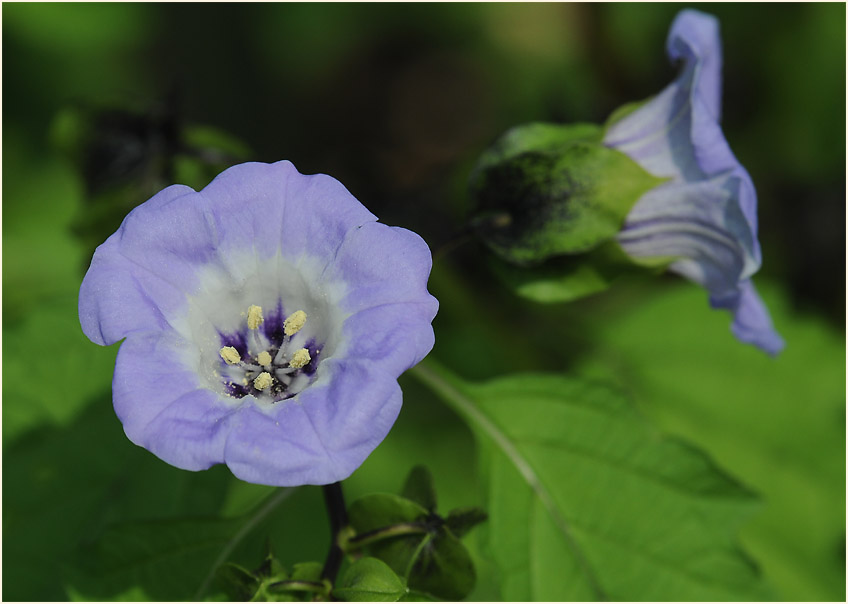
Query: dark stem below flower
337, 512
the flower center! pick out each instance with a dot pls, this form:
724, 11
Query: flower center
264, 360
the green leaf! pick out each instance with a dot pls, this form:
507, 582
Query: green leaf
382, 509
307, 571
568, 278
538, 136
42, 259
544, 191
369, 580
421, 550
420, 489
587, 502
50, 334
776, 423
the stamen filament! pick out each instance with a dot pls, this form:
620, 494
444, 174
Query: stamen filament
281, 353
257, 340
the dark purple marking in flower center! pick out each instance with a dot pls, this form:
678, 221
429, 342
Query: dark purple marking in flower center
239, 379
273, 325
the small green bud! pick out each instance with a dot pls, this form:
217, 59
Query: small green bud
544, 190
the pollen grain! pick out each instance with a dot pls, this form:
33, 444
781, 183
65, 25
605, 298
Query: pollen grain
300, 359
294, 323
254, 317
263, 380
230, 355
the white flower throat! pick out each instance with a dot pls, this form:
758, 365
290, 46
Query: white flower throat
268, 369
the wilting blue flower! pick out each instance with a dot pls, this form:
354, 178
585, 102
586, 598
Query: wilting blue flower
705, 215
267, 319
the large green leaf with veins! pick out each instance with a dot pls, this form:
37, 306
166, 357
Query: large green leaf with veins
778, 424
587, 501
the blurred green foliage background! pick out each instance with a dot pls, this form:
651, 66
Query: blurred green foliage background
397, 101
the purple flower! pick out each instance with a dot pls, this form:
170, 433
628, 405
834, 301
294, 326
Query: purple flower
266, 321
705, 215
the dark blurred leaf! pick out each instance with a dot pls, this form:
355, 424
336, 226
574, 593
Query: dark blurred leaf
125, 156
586, 501
167, 559
214, 145
64, 485
463, 520
420, 489
442, 567
372, 513
369, 580
237, 583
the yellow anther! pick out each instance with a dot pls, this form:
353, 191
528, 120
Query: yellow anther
230, 355
264, 358
263, 380
300, 359
294, 323
254, 317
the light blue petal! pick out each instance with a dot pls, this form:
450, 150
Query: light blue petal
752, 322
139, 277
383, 265
118, 295
694, 38
162, 406
272, 207
705, 217
700, 224
393, 336
322, 435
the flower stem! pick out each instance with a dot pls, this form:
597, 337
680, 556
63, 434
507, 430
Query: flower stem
337, 512
386, 532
